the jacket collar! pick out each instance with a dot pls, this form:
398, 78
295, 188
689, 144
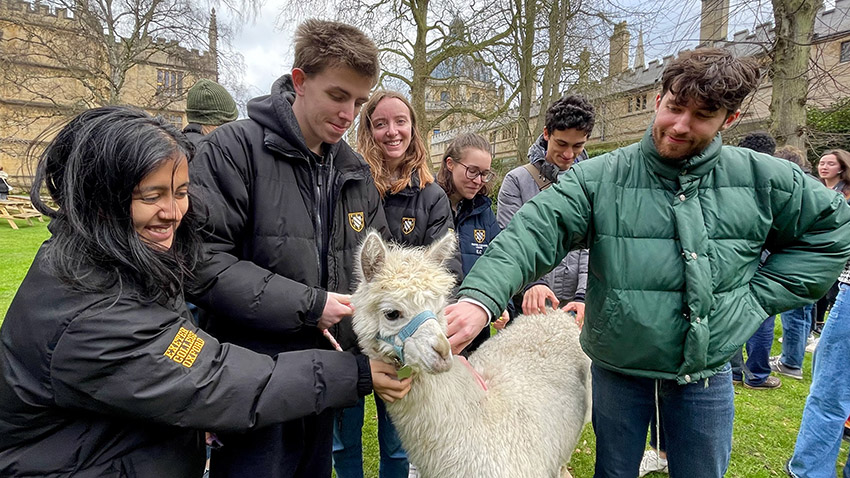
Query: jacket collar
691, 168
413, 186
471, 207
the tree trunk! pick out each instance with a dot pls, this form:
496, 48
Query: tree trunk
420, 69
790, 69
527, 77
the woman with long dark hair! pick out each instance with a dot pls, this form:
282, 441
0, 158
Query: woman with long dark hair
102, 371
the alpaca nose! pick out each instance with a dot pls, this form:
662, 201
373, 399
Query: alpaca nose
442, 347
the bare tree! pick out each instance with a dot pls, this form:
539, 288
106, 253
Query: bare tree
790, 70
63, 56
415, 37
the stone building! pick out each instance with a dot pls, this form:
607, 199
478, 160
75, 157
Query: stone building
53, 65
625, 99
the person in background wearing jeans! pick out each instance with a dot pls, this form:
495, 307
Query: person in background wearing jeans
828, 403
796, 322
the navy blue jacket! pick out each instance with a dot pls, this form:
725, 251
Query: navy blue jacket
476, 226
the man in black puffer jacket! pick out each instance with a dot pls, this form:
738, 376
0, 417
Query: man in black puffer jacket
289, 203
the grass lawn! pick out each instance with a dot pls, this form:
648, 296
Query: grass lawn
766, 421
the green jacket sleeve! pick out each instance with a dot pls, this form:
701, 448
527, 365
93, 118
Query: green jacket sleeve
536, 239
809, 245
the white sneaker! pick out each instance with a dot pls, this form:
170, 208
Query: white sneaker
652, 462
812, 344
412, 472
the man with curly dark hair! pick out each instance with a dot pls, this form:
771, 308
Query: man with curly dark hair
759, 141
569, 122
675, 225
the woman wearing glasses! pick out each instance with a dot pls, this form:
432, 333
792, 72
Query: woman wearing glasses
418, 213
464, 175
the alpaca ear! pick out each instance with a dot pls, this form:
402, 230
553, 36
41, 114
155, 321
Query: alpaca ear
444, 249
372, 255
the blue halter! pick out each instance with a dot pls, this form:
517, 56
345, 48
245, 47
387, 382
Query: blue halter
407, 331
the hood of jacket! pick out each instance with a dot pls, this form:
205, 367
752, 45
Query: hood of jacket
274, 113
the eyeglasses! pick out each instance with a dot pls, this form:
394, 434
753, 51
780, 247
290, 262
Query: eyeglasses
472, 172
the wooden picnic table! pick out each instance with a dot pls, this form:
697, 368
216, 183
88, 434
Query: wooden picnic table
14, 208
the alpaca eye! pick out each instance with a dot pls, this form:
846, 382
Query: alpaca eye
392, 314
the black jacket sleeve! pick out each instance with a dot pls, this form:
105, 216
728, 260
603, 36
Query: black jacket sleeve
142, 361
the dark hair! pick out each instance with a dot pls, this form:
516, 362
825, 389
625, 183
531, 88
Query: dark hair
759, 141
712, 77
415, 158
570, 112
795, 155
456, 150
91, 169
321, 44
843, 158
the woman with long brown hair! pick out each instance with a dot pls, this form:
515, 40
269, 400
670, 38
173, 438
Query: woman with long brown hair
418, 213
834, 171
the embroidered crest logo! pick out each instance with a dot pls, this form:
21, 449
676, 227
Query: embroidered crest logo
479, 235
407, 224
356, 221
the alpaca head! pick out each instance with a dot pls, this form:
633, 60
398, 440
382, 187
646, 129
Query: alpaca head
397, 284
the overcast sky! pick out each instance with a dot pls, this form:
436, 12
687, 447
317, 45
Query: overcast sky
267, 48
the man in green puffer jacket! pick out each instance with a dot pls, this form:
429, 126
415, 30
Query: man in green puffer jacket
675, 225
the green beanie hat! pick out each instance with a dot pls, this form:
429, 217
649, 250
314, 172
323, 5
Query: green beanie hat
209, 103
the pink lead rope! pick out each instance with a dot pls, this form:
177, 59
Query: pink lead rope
478, 377
331, 339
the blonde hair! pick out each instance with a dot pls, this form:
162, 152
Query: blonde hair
415, 158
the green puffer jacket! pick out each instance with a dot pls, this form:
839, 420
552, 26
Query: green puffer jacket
674, 283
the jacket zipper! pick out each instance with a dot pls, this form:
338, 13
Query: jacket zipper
317, 227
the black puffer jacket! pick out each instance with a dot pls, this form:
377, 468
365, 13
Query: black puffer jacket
107, 385
419, 216
262, 286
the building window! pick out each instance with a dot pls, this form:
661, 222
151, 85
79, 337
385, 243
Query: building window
176, 120
169, 82
845, 52
637, 103
444, 96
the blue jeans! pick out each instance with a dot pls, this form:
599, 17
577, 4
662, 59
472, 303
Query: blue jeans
348, 443
828, 404
757, 368
696, 420
795, 330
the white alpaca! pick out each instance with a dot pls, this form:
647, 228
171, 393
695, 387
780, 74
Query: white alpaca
525, 424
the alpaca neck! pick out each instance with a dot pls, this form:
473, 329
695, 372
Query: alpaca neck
457, 387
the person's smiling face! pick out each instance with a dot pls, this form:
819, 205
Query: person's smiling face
160, 201
683, 129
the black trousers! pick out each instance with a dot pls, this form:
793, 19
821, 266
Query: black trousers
296, 449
